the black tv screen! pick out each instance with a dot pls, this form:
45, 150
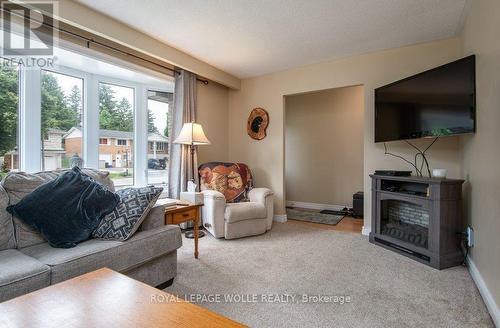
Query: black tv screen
438, 102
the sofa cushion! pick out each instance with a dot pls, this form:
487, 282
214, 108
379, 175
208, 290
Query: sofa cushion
154, 219
67, 209
127, 216
7, 239
244, 211
99, 176
19, 184
20, 274
233, 180
116, 255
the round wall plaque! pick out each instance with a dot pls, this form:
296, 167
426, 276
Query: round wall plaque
257, 123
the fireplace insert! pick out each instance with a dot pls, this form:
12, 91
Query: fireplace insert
405, 221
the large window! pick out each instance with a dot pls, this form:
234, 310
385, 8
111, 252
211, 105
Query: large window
158, 134
87, 111
9, 86
116, 121
62, 124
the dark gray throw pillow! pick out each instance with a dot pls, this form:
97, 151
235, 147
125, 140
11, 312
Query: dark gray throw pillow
67, 209
128, 215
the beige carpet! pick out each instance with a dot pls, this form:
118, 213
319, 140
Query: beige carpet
386, 289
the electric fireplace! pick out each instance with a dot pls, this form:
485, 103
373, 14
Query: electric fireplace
418, 217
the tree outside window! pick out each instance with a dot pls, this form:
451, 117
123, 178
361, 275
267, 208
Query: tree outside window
61, 111
9, 86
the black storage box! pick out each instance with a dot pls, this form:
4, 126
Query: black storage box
357, 204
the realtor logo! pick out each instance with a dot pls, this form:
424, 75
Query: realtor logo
28, 29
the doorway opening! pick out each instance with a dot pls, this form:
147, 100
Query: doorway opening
324, 133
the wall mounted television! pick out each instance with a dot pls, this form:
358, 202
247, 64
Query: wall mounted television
437, 102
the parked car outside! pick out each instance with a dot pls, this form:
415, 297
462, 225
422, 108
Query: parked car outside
156, 164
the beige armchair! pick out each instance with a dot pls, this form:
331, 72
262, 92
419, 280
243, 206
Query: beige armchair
236, 219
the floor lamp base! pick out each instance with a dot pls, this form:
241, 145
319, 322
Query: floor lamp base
190, 234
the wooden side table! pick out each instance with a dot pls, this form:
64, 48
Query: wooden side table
183, 213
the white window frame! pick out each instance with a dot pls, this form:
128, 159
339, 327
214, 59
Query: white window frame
30, 114
30, 120
30, 129
29, 149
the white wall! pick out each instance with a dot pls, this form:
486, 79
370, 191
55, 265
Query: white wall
481, 151
213, 115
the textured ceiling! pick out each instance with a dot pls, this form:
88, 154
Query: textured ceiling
250, 38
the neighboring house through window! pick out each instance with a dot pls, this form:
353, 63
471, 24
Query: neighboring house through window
159, 117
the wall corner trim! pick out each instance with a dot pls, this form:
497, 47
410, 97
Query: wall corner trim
281, 218
365, 231
488, 299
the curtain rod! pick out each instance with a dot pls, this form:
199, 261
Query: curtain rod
89, 41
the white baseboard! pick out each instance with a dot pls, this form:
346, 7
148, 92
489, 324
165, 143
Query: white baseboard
366, 231
315, 206
280, 218
485, 293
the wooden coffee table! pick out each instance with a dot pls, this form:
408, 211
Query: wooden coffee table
183, 213
105, 298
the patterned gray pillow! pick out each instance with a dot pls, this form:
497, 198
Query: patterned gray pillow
128, 215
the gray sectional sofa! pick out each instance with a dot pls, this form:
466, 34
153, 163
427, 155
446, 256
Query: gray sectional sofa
28, 262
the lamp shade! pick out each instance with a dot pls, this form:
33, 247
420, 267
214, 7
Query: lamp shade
192, 134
